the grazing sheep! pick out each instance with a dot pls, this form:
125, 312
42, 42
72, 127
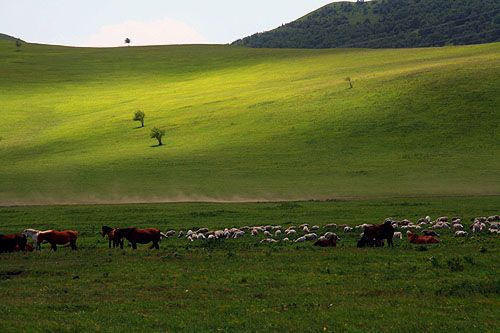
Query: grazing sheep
202, 231
329, 235
303, 225
495, 225
181, 234
255, 232
211, 237
397, 234
461, 233
458, 227
348, 229
428, 219
170, 233
291, 232
190, 239
331, 226
430, 233
326, 242
267, 234
306, 230
277, 233
286, 239
311, 236
300, 239
315, 227
268, 241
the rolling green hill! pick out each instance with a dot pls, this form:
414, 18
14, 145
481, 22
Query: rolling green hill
7, 37
388, 24
247, 123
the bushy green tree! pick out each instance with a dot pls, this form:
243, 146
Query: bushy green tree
139, 116
127, 41
157, 134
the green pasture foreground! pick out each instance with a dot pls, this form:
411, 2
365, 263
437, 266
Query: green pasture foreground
241, 286
245, 123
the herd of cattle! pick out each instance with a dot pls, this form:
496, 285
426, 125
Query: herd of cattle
371, 235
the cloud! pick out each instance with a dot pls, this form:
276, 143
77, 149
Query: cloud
158, 32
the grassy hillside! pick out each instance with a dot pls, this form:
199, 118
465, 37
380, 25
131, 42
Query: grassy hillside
388, 24
247, 123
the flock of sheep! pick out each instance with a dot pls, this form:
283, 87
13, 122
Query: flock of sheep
305, 232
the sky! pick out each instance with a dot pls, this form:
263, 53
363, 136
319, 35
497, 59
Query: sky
105, 23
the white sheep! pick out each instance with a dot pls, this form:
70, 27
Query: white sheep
255, 232
268, 241
315, 227
291, 232
348, 229
398, 234
457, 227
305, 229
300, 239
311, 236
461, 233
286, 239
267, 234
331, 226
277, 233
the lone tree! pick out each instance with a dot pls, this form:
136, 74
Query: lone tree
127, 41
348, 79
139, 116
18, 43
157, 134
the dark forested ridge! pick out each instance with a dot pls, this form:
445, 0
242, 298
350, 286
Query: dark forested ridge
388, 24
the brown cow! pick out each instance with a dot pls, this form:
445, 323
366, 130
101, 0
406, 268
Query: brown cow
12, 243
139, 236
415, 239
55, 238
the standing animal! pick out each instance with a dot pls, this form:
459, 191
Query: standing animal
110, 232
55, 238
375, 235
415, 239
139, 236
12, 243
33, 234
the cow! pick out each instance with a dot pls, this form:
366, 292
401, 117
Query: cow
415, 239
12, 243
375, 235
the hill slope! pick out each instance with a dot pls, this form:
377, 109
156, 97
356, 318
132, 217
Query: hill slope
247, 123
7, 37
388, 24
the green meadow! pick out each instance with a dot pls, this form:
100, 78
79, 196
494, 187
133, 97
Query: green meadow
247, 124
243, 286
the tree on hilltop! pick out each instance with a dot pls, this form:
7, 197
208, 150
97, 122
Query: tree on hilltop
127, 41
18, 44
157, 134
139, 116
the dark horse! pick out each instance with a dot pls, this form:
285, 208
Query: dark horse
11, 243
111, 233
139, 236
375, 235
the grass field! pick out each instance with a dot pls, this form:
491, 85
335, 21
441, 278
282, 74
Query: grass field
239, 285
247, 123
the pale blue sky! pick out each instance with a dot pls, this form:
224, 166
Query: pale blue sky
108, 22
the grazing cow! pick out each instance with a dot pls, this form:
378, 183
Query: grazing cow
141, 236
55, 238
111, 233
375, 235
12, 243
415, 239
